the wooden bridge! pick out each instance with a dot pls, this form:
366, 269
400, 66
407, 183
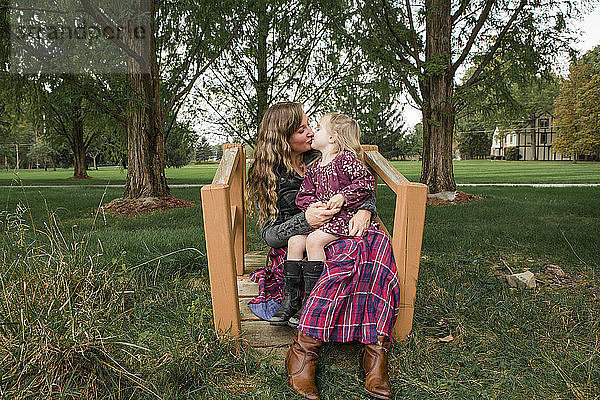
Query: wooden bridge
229, 263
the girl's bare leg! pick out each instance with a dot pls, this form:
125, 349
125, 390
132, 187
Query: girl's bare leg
315, 244
296, 247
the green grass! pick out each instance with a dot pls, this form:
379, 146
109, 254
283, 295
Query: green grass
465, 171
487, 171
191, 174
508, 343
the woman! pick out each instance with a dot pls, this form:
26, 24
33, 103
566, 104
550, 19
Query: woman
355, 293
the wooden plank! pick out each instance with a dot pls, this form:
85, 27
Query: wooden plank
416, 198
226, 166
385, 170
246, 288
262, 334
255, 259
236, 196
399, 248
221, 259
370, 147
246, 313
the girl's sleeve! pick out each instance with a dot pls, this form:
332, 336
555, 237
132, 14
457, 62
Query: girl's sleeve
362, 183
306, 195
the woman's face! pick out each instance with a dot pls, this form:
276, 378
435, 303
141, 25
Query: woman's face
301, 139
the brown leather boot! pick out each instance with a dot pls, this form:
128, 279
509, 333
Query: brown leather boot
374, 362
301, 364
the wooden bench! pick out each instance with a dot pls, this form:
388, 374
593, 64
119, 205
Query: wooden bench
228, 260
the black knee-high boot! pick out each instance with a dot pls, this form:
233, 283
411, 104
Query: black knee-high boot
311, 270
292, 275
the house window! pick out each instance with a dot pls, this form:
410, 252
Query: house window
543, 123
543, 138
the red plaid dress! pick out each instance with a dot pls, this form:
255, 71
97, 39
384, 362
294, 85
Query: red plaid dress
356, 298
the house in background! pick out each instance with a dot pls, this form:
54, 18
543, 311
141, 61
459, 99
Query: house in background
533, 139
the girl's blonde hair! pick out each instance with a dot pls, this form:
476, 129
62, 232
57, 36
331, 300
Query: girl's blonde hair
347, 133
272, 151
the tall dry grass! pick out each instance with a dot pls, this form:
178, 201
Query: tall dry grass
58, 296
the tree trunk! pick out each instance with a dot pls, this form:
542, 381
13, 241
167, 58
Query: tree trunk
94, 158
145, 139
262, 84
79, 161
534, 144
438, 107
17, 151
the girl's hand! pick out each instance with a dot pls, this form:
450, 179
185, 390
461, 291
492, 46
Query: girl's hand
316, 214
337, 201
359, 223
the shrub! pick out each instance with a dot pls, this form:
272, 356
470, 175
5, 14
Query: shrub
512, 154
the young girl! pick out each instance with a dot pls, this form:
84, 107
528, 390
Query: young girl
339, 181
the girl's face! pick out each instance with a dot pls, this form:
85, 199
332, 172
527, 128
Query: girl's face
322, 137
300, 140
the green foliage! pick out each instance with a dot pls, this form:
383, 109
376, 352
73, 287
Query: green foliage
505, 102
371, 101
577, 108
204, 150
4, 36
475, 143
283, 52
42, 152
512, 154
179, 145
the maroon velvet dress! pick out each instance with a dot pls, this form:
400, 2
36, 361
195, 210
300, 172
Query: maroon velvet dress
344, 174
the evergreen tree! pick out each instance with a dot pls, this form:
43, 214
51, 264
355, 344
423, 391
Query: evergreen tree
577, 108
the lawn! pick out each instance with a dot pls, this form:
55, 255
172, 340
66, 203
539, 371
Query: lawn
465, 171
507, 343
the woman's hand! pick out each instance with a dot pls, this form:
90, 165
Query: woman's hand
359, 223
317, 214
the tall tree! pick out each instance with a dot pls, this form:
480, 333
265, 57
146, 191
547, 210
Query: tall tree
426, 43
577, 108
283, 53
167, 46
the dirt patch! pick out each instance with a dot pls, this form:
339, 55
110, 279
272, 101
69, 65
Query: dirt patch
554, 277
461, 197
81, 177
148, 205
548, 276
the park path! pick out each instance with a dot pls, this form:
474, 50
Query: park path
545, 185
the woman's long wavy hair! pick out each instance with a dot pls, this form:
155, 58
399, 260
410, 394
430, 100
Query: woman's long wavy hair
348, 134
272, 150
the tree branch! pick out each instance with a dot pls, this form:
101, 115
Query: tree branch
461, 9
200, 71
106, 22
492, 51
413, 33
411, 52
480, 22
